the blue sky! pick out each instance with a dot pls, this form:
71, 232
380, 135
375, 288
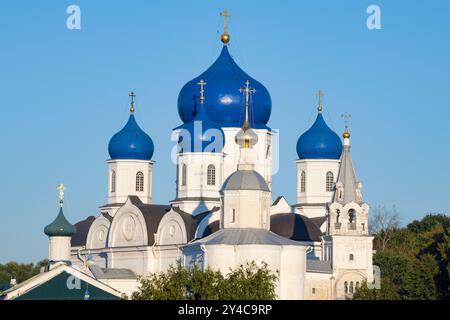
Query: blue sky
64, 94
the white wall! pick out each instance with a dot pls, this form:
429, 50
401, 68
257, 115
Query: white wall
59, 248
126, 171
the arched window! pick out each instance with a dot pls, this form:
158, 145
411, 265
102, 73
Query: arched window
183, 174
346, 287
338, 215
330, 181
211, 175
352, 215
139, 181
351, 257
357, 285
303, 181
351, 287
113, 181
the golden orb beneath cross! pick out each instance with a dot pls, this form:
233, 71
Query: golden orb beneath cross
225, 38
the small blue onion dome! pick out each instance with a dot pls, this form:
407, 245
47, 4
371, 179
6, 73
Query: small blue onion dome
60, 227
201, 134
223, 100
131, 143
319, 142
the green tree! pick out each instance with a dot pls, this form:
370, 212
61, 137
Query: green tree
19, 271
247, 282
387, 291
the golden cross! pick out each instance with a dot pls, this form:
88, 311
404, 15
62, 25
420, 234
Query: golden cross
202, 85
319, 95
346, 118
61, 189
132, 95
247, 90
225, 14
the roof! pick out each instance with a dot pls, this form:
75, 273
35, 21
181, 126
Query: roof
319, 142
80, 237
131, 142
152, 213
243, 236
245, 180
52, 285
60, 227
348, 180
223, 102
191, 222
295, 227
319, 266
111, 273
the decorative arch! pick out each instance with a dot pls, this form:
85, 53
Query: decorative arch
171, 230
98, 233
128, 227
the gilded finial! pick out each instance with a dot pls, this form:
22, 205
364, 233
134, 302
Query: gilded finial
132, 95
247, 90
61, 189
225, 37
202, 85
319, 105
346, 117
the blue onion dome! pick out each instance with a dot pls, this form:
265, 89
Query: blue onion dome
201, 134
223, 100
60, 227
131, 142
319, 142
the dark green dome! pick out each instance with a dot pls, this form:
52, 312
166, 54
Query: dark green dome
60, 227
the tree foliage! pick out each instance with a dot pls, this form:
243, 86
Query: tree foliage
414, 262
247, 282
18, 271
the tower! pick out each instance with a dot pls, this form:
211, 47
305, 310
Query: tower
319, 150
199, 161
60, 233
246, 196
348, 243
224, 106
130, 168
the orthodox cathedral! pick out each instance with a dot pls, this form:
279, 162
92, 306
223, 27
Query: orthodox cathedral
223, 214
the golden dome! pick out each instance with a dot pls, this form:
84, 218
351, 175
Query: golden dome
246, 138
346, 134
225, 38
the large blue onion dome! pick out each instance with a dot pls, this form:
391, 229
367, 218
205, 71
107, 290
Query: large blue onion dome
201, 134
131, 142
223, 100
60, 227
319, 142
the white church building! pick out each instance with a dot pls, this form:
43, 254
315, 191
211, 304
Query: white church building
223, 213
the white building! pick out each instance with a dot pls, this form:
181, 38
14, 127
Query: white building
222, 214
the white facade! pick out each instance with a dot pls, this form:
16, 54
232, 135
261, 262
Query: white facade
129, 177
59, 248
313, 191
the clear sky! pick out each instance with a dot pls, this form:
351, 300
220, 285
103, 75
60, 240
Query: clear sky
64, 94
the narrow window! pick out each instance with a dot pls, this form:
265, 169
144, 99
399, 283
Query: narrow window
233, 216
351, 257
351, 215
113, 181
330, 181
303, 181
139, 181
183, 174
338, 215
351, 287
313, 290
211, 175
357, 285
346, 287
